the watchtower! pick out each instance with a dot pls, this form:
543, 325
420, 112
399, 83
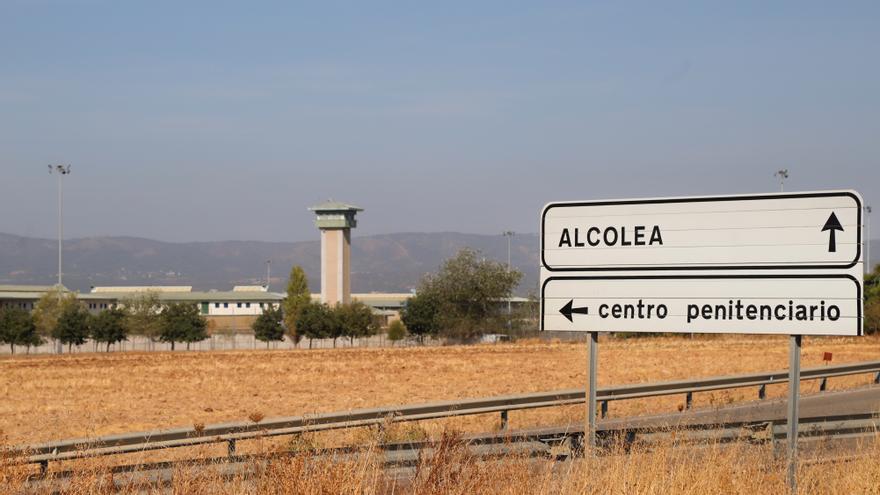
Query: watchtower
335, 220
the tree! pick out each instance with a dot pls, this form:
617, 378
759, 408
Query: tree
298, 297
420, 315
355, 320
268, 326
469, 291
17, 328
73, 326
142, 315
48, 310
396, 331
872, 316
181, 322
872, 301
316, 321
109, 327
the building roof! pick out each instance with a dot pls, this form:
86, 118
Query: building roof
376, 299
144, 288
26, 292
29, 288
24, 295
196, 297
250, 288
331, 205
384, 300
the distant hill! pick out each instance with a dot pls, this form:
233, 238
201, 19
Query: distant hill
381, 263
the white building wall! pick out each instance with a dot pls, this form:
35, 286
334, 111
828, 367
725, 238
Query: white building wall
237, 308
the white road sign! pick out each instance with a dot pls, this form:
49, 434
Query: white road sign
770, 304
787, 263
800, 230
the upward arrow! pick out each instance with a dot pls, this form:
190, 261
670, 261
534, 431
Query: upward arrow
567, 310
832, 225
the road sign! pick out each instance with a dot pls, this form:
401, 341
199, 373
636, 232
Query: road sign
785, 264
771, 264
758, 232
784, 304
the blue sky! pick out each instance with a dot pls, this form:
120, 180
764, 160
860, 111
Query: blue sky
224, 120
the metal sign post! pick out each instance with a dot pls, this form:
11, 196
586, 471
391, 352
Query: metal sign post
592, 356
794, 379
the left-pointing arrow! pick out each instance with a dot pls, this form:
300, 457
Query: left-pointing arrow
568, 310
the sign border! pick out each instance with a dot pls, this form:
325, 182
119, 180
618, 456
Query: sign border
706, 199
859, 319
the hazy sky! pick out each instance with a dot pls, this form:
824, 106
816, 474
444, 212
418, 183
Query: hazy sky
225, 120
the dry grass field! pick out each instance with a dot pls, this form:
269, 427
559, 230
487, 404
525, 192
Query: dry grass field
51, 397
666, 468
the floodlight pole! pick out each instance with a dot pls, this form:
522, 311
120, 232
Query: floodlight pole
268, 273
60, 171
782, 174
868, 240
509, 234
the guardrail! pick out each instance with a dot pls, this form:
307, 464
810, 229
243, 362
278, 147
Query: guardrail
232, 432
553, 442
558, 442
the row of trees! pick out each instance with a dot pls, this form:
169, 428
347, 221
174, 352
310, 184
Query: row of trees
300, 318
60, 316
464, 299
316, 321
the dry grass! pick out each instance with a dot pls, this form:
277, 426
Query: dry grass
50, 397
668, 468
47, 397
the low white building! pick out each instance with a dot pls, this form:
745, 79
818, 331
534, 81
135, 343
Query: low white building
226, 311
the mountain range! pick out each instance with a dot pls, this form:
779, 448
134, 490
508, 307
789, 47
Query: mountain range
380, 263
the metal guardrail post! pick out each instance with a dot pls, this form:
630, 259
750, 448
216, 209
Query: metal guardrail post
762, 392
44, 467
689, 400
503, 420
603, 410
230, 448
877, 378
823, 384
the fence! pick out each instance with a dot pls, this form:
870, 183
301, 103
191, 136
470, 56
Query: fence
220, 342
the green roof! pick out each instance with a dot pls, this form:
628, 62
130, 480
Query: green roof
212, 296
29, 288
335, 206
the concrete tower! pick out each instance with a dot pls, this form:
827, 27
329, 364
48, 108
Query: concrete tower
335, 221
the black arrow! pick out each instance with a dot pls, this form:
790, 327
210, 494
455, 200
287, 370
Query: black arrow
567, 311
831, 225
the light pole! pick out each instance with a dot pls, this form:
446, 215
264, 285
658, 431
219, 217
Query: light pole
782, 174
868, 240
268, 273
60, 171
509, 234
